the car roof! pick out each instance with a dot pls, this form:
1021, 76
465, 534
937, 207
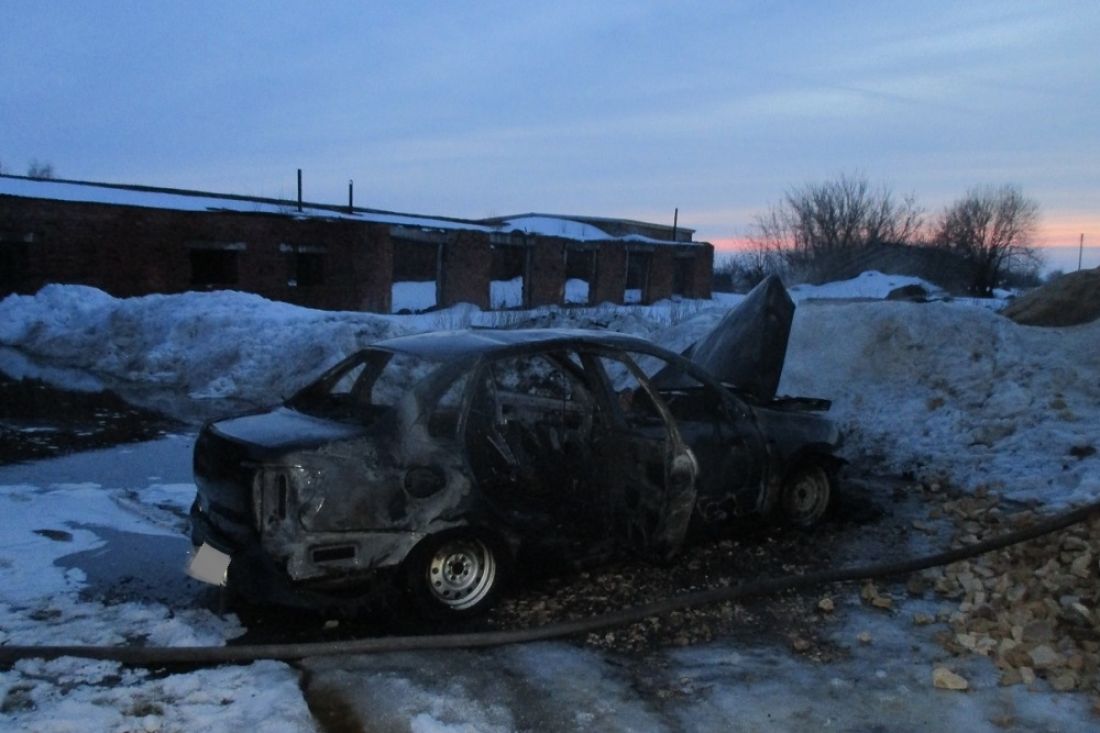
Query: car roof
471, 342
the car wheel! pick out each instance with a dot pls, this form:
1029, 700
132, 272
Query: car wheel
807, 495
455, 575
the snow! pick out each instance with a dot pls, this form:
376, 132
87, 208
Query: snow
413, 296
182, 201
70, 695
946, 389
554, 227
506, 293
576, 291
870, 284
92, 193
943, 389
61, 544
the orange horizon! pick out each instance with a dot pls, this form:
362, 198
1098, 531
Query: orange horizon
1064, 234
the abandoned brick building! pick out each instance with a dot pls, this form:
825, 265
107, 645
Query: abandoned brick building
136, 240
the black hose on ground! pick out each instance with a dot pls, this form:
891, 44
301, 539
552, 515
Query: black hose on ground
157, 656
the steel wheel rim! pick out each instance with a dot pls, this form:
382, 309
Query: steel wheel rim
461, 573
808, 496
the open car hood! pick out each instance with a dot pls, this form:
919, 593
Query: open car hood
749, 345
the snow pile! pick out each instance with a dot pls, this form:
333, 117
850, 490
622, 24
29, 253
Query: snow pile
206, 345
231, 345
949, 389
871, 284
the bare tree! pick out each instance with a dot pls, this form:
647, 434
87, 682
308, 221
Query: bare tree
39, 170
820, 228
991, 228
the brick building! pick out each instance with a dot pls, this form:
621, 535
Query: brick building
135, 240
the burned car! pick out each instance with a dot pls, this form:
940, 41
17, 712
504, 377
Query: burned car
439, 461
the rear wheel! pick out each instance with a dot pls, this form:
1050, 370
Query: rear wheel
807, 495
455, 575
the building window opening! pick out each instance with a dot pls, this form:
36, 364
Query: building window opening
415, 285
637, 277
305, 265
507, 277
580, 276
14, 259
211, 267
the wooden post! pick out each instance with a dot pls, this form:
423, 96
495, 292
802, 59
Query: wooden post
299, 189
1080, 252
675, 222
351, 206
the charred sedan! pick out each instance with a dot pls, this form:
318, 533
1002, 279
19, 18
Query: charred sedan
439, 460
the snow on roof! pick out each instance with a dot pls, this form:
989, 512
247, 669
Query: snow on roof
184, 200
584, 228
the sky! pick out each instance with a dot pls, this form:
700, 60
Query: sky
622, 109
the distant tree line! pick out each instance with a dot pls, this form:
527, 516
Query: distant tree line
836, 229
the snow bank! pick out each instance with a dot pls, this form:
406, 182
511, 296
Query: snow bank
231, 345
870, 284
206, 345
949, 389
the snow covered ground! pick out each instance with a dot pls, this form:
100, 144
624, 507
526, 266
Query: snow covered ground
942, 389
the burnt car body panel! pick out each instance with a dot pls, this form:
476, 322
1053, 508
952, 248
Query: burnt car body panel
549, 441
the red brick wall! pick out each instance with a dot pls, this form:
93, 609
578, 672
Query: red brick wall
467, 261
661, 273
610, 274
703, 272
546, 279
127, 251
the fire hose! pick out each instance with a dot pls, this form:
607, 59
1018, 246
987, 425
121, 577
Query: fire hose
203, 655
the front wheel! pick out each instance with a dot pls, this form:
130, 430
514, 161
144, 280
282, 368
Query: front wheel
807, 495
455, 575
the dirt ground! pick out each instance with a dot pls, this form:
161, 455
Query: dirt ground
1070, 300
39, 421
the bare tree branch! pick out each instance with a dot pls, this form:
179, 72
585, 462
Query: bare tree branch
991, 228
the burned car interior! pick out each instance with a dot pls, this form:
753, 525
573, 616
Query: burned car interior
442, 462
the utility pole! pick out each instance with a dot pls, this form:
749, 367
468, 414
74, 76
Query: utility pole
1080, 252
351, 206
299, 189
675, 222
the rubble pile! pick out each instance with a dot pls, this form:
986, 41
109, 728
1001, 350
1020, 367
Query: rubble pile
1033, 608
1069, 300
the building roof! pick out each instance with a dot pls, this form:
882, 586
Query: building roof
569, 227
591, 227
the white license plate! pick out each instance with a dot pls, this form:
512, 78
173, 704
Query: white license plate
208, 564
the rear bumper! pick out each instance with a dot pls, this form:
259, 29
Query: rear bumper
310, 575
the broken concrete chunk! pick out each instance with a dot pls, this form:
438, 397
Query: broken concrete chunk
1043, 657
944, 679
